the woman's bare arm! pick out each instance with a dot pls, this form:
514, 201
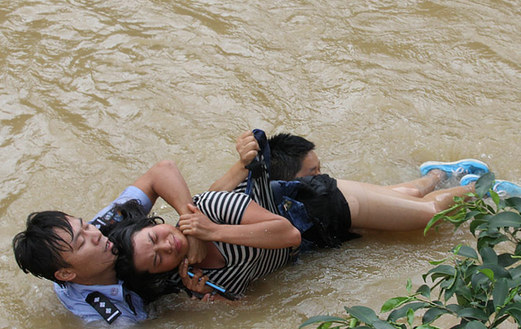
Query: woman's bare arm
259, 228
247, 147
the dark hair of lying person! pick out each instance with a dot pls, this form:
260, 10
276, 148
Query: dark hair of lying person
38, 249
286, 154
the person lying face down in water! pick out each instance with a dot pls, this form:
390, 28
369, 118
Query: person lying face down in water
238, 254
401, 207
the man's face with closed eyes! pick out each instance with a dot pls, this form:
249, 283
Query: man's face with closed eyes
88, 253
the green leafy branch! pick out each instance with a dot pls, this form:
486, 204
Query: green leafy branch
477, 286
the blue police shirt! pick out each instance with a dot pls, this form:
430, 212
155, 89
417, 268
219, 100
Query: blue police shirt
128, 303
130, 306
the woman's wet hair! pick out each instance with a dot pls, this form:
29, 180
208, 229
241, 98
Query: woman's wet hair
149, 286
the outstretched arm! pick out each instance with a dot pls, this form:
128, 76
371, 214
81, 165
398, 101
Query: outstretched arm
165, 180
247, 147
259, 228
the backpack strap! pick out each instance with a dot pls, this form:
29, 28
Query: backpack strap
257, 185
261, 163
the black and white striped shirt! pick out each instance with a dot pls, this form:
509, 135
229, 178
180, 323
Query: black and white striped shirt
242, 264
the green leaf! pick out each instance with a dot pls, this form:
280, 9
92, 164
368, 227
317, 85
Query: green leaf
437, 262
500, 292
516, 306
478, 224
475, 325
448, 293
518, 250
479, 284
432, 314
506, 260
454, 308
514, 202
442, 215
490, 240
362, 313
424, 290
512, 293
441, 271
410, 316
505, 219
408, 286
499, 271
463, 294
488, 272
322, 318
488, 255
427, 326
448, 283
472, 214
379, 324
432, 222
467, 251
472, 313
404, 310
484, 184
392, 303
495, 198
516, 314
515, 272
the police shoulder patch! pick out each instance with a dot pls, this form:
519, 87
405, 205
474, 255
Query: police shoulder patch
108, 311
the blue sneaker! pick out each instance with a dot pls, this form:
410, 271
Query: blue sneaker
468, 179
457, 168
503, 188
506, 189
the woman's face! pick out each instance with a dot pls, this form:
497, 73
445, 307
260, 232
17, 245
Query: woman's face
159, 248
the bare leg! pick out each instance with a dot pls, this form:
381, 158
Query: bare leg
378, 207
421, 186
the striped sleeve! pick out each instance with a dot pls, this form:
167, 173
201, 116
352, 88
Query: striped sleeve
222, 207
241, 188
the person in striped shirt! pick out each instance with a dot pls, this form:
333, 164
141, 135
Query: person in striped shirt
245, 238
244, 242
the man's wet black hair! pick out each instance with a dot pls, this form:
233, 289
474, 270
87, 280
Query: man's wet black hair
37, 249
287, 153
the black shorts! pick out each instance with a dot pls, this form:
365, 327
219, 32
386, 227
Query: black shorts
327, 209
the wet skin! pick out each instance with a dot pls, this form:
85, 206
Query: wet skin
159, 248
310, 165
87, 244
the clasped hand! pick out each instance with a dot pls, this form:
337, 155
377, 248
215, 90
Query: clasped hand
197, 225
247, 147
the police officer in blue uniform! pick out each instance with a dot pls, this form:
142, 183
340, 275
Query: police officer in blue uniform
78, 258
